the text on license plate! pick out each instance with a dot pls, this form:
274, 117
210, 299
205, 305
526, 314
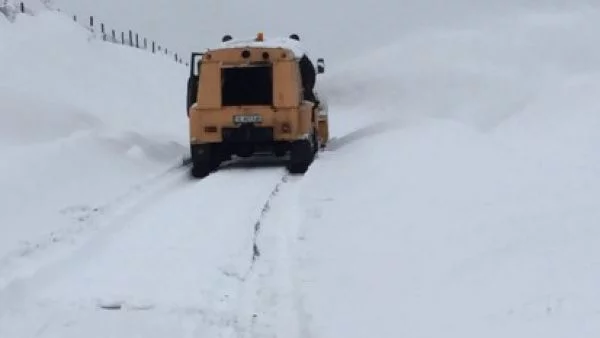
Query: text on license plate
247, 119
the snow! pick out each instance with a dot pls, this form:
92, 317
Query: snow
457, 196
3, 20
334, 30
72, 111
457, 230
473, 188
286, 43
10, 8
139, 273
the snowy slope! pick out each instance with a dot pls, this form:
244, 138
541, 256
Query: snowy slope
81, 123
457, 197
473, 205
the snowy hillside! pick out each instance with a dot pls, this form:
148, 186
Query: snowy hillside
457, 197
81, 123
474, 199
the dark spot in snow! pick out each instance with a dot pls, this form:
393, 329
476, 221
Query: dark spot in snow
256, 252
111, 306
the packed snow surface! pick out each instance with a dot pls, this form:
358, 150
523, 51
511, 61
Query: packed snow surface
456, 198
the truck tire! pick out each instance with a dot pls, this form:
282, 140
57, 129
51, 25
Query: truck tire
205, 159
301, 156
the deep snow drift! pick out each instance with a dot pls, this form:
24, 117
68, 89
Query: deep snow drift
470, 209
82, 121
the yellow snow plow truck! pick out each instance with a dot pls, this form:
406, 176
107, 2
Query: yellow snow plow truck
255, 96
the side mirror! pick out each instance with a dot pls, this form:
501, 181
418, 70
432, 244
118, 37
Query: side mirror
320, 66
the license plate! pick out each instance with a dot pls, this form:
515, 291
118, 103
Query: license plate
247, 119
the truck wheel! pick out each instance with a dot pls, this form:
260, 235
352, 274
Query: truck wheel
301, 156
205, 159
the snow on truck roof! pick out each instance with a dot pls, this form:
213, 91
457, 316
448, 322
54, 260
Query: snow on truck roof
293, 45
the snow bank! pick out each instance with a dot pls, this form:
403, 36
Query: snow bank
55, 58
478, 75
29, 122
82, 121
467, 204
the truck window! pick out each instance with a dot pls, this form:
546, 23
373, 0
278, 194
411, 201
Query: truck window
252, 85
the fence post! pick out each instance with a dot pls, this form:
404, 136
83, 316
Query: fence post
102, 30
137, 41
75, 18
130, 38
153, 47
22, 6
91, 22
122, 38
114, 36
145, 43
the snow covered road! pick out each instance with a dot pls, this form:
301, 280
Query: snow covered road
182, 257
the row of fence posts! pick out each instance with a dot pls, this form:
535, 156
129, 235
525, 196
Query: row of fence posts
133, 38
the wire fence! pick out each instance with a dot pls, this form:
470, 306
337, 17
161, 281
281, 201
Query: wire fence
99, 30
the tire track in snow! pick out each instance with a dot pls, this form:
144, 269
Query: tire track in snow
136, 201
218, 286
44, 257
270, 303
263, 214
89, 219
